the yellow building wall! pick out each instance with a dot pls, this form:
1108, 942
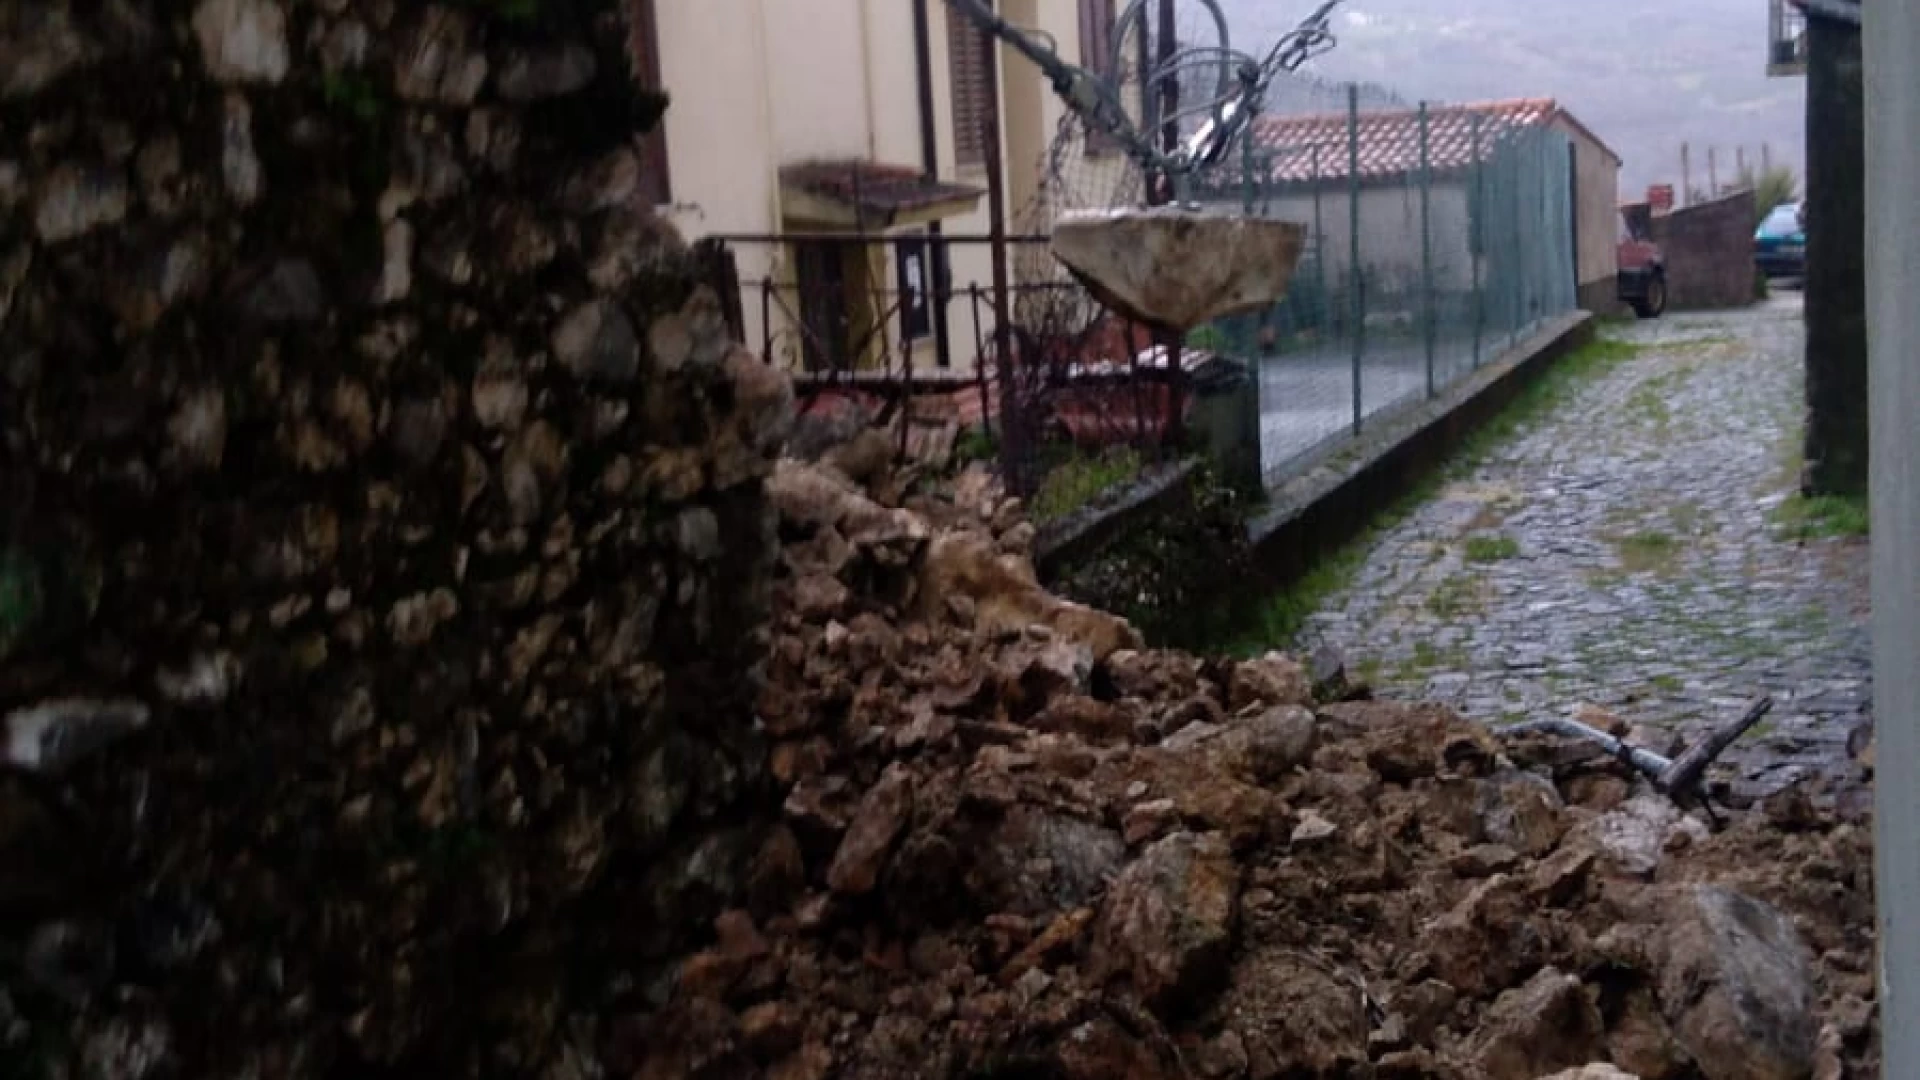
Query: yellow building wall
758, 84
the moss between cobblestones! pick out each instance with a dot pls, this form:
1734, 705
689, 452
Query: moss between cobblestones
1490, 549
1279, 619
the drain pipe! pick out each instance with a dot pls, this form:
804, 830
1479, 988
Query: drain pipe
937, 265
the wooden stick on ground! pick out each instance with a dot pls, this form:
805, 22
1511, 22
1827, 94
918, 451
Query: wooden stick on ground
1687, 770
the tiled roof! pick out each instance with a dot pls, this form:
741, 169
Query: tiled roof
873, 186
1390, 140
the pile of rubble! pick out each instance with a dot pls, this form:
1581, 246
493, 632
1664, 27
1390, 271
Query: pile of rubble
1016, 843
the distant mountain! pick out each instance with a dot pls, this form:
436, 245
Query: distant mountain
1645, 75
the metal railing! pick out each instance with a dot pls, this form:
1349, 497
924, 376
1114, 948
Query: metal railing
904, 326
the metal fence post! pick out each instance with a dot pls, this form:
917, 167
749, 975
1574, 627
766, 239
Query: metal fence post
1356, 302
1479, 227
1426, 240
1325, 315
1517, 273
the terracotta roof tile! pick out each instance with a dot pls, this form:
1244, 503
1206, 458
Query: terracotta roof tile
1390, 140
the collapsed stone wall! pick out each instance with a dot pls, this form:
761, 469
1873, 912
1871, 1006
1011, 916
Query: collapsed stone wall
377, 482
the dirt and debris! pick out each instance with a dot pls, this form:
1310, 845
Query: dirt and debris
1018, 843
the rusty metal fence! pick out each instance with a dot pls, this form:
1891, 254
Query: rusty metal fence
902, 331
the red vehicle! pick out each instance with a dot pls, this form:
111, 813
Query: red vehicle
1642, 276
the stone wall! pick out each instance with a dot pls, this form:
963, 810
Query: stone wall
1709, 253
383, 544
1837, 408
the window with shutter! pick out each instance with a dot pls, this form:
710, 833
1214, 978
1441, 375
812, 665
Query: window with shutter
655, 179
972, 90
1097, 21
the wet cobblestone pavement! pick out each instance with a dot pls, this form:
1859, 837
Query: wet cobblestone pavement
1625, 549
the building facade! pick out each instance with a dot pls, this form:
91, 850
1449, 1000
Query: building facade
829, 139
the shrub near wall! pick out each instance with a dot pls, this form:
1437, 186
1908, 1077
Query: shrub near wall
371, 468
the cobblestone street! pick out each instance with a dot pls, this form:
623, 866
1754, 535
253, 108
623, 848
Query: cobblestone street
1626, 549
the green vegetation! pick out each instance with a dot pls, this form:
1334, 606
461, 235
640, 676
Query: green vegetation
1081, 480
1209, 338
975, 444
1771, 187
1646, 552
1667, 684
1283, 613
1488, 549
1454, 597
1823, 517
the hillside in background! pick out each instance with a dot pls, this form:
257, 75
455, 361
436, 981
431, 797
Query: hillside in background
1646, 75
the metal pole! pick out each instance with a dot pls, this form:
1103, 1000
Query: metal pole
1426, 238
1517, 274
1169, 80
1011, 437
1479, 226
1246, 174
1325, 314
1356, 303
1891, 40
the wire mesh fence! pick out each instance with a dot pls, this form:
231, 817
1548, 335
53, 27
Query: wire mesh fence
1438, 237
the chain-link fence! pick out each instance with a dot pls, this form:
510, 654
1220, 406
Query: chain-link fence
1438, 237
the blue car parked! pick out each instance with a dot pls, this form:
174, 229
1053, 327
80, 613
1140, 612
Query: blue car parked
1780, 243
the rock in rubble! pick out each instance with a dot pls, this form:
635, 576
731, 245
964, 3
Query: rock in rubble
1639, 1039
1169, 919
242, 40
49, 737
1548, 1024
1735, 982
1294, 1016
882, 816
1592, 1072
1524, 812
1273, 679
1491, 937
1007, 598
1036, 861
1634, 837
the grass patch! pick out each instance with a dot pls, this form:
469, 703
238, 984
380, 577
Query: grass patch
1454, 597
1649, 403
1081, 480
1491, 549
1687, 518
1647, 552
1667, 684
1823, 517
1280, 618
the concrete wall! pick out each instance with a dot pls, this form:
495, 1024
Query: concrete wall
375, 473
1892, 160
1709, 253
1597, 225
